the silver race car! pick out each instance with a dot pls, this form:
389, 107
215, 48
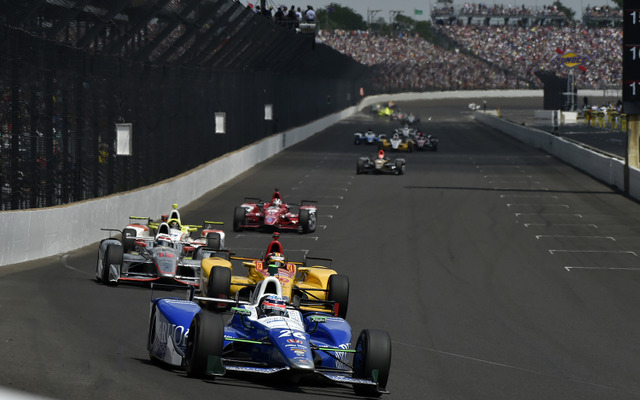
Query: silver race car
156, 258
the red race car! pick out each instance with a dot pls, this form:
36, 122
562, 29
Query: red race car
275, 215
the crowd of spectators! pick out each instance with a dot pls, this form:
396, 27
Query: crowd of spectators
497, 10
484, 57
525, 50
602, 11
409, 63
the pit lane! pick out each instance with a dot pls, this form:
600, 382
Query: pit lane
463, 260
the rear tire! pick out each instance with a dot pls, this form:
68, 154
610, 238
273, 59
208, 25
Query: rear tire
373, 357
214, 240
206, 338
399, 167
307, 221
219, 286
338, 291
239, 218
112, 255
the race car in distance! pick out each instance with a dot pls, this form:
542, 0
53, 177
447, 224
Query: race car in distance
406, 132
367, 138
426, 142
410, 119
301, 281
173, 226
275, 215
210, 237
380, 165
158, 258
397, 142
267, 336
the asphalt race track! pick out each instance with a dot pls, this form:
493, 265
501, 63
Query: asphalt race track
499, 272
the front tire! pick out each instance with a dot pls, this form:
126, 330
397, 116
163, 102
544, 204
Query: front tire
219, 286
205, 339
151, 336
112, 255
239, 218
338, 291
360, 166
372, 361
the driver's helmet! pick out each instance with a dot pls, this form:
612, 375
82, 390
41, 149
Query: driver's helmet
276, 203
174, 224
273, 305
276, 260
163, 240
380, 153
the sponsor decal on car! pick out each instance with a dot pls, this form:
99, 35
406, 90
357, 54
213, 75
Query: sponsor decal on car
178, 333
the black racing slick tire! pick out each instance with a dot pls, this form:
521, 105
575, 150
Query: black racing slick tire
338, 291
399, 167
219, 286
214, 240
112, 255
239, 218
360, 166
151, 335
205, 339
306, 221
372, 361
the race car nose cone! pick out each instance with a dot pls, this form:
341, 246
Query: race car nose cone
302, 364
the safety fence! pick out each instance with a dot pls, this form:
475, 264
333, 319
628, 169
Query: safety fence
71, 70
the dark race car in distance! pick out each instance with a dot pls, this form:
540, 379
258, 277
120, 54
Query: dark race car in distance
380, 165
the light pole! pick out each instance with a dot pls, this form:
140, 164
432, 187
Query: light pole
370, 15
392, 15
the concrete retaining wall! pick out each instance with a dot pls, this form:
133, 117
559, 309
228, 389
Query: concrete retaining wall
607, 169
37, 233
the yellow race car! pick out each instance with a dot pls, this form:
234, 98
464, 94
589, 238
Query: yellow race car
397, 142
171, 224
308, 286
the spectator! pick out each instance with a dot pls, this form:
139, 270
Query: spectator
291, 15
279, 15
310, 15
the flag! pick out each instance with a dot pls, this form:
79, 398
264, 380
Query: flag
417, 12
331, 9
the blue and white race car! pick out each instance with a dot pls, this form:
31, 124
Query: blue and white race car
367, 138
267, 336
